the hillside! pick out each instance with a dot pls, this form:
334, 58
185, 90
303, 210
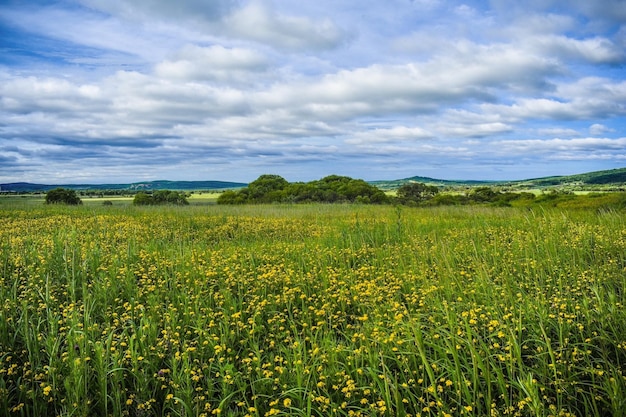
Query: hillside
394, 184
614, 179
609, 179
25, 187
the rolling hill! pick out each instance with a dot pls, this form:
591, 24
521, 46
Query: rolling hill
609, 179
25, 187
614, 178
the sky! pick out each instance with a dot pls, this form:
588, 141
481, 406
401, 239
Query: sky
116, 91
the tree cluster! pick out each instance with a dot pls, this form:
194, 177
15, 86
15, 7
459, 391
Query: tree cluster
416, 192
479, 195
62, 196
330, 189
160, 197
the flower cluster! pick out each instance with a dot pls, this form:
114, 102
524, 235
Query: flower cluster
348, 311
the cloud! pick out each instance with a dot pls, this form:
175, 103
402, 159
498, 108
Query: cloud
214, 63
479, 130
557, 132
586, 99
582, 148
475, 73
258, 22
140, 10
597, 50
89, 29
157, 86
386, 135
605, 12
254, 21
598, 129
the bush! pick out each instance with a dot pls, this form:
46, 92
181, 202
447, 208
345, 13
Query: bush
331, 189
414, 192
62, 196
160, 197
142, 199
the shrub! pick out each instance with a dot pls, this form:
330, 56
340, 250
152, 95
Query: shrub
416, 192
62, 196
331, 189
160, 197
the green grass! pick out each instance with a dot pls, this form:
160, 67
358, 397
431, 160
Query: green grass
311, 310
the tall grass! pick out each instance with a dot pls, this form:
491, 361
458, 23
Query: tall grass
312, 310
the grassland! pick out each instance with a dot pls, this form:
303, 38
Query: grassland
321, 310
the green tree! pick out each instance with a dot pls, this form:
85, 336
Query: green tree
160, 197
231, 197
416, 192
267, 188
331, 189
484, 195
169, 197
62, 196
142, 199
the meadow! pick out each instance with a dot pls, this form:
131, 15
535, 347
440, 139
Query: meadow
311, 310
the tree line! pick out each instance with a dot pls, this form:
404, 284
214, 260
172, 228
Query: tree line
340, 189
270, 188
331, 189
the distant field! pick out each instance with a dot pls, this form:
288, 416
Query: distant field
197, 198
311, 310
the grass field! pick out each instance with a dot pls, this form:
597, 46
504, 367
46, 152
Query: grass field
320, 310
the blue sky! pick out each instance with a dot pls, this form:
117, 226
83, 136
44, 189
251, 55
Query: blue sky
100, 91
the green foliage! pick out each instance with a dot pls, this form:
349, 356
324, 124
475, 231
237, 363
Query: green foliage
142, 199
330, 189
448, 199
416, 192
62, 196
160, 197
484, 194
495, 197
313, 310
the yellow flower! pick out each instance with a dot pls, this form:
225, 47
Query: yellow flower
287, 402
46, 390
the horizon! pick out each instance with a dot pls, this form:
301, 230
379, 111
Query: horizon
118, 91
247, 182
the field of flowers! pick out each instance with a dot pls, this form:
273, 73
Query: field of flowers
317, 310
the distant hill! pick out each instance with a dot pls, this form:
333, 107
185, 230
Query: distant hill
393, 184
615, 178
25, 187
609, 179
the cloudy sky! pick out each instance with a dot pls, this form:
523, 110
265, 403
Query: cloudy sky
100, 91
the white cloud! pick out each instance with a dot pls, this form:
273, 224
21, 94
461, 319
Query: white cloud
558, 132
386, 135
598, 129
583, 147
214, 63
264, 83
88, 29
258, 22
478, 130
596, 50
164, 9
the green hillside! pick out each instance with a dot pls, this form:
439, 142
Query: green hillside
394, 184
24, 187
614, 179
